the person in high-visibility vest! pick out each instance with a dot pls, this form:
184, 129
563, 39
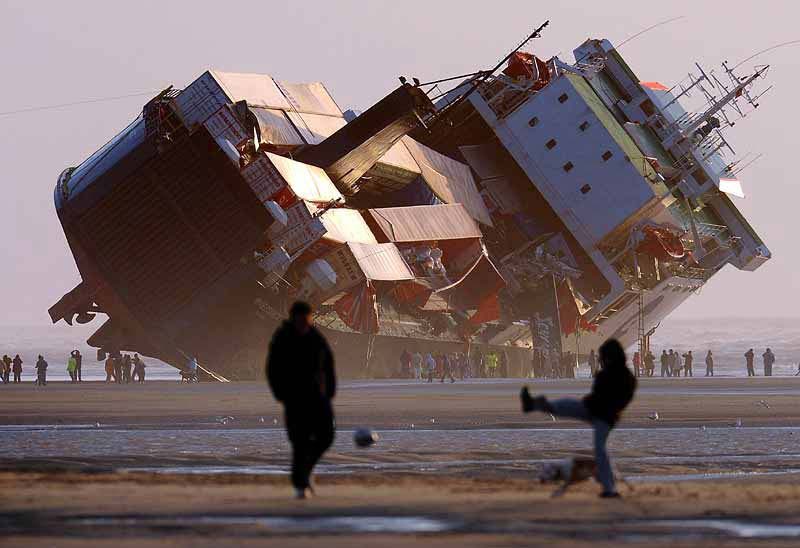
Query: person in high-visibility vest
491, 364
72, 368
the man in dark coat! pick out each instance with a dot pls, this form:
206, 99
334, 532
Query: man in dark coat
41, 371
749, 356
611, 393
300, 372
17, 367
769, 360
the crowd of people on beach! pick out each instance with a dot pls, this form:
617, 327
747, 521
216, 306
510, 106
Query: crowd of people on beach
121, 369
124, 369
452, 365
676, 364
9, 366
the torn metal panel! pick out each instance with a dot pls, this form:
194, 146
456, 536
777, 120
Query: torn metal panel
450, 180
350, 152
312, 98
485, 159
257, 89
423, 223
315, 128
347, 225
307, 182
275, 128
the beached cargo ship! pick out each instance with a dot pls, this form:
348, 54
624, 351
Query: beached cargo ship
545, 205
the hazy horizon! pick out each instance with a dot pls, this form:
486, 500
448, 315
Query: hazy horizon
86, 50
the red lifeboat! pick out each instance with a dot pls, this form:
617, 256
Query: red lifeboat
527, 66
662, 244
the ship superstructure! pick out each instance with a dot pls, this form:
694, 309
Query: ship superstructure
548, 206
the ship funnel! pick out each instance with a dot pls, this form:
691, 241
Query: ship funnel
350, 152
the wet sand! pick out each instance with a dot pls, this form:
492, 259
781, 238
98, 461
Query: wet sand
470, 487
397, 404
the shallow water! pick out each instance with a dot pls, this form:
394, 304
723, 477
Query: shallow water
649, 454
283, 524
106, 526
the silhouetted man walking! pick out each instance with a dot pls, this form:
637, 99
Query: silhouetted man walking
611, 393
300, 372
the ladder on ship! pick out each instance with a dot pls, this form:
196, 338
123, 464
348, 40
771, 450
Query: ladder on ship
642, 336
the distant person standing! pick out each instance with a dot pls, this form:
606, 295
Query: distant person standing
709, 364
127, 367
72, 369
649, 364
502, 366
16, 366
6, 368
612, 391
664, 364
491, 364
300, 371
592, 361
41, 371
769, 361
430, 366
118, 369
637, 364
109, 367
405, 364
416, 360
749, 356
478, 364
79, 362
138, 368
446, 366
675, 363
688, 361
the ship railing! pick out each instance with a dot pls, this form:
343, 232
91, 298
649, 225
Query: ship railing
503, 95
711, 230
160, 120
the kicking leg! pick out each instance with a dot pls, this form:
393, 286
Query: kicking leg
568, 408
604, 473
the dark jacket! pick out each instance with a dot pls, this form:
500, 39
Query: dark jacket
612, 391
300, 367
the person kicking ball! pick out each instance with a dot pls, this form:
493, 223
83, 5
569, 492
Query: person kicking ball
611, 393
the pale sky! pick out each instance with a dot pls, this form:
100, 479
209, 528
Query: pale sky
61, 52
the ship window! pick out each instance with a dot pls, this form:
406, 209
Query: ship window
568, 167
563, 98
700, 176
607, 155
647, 107
533, 121
585, 189
551, 144
584, 126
